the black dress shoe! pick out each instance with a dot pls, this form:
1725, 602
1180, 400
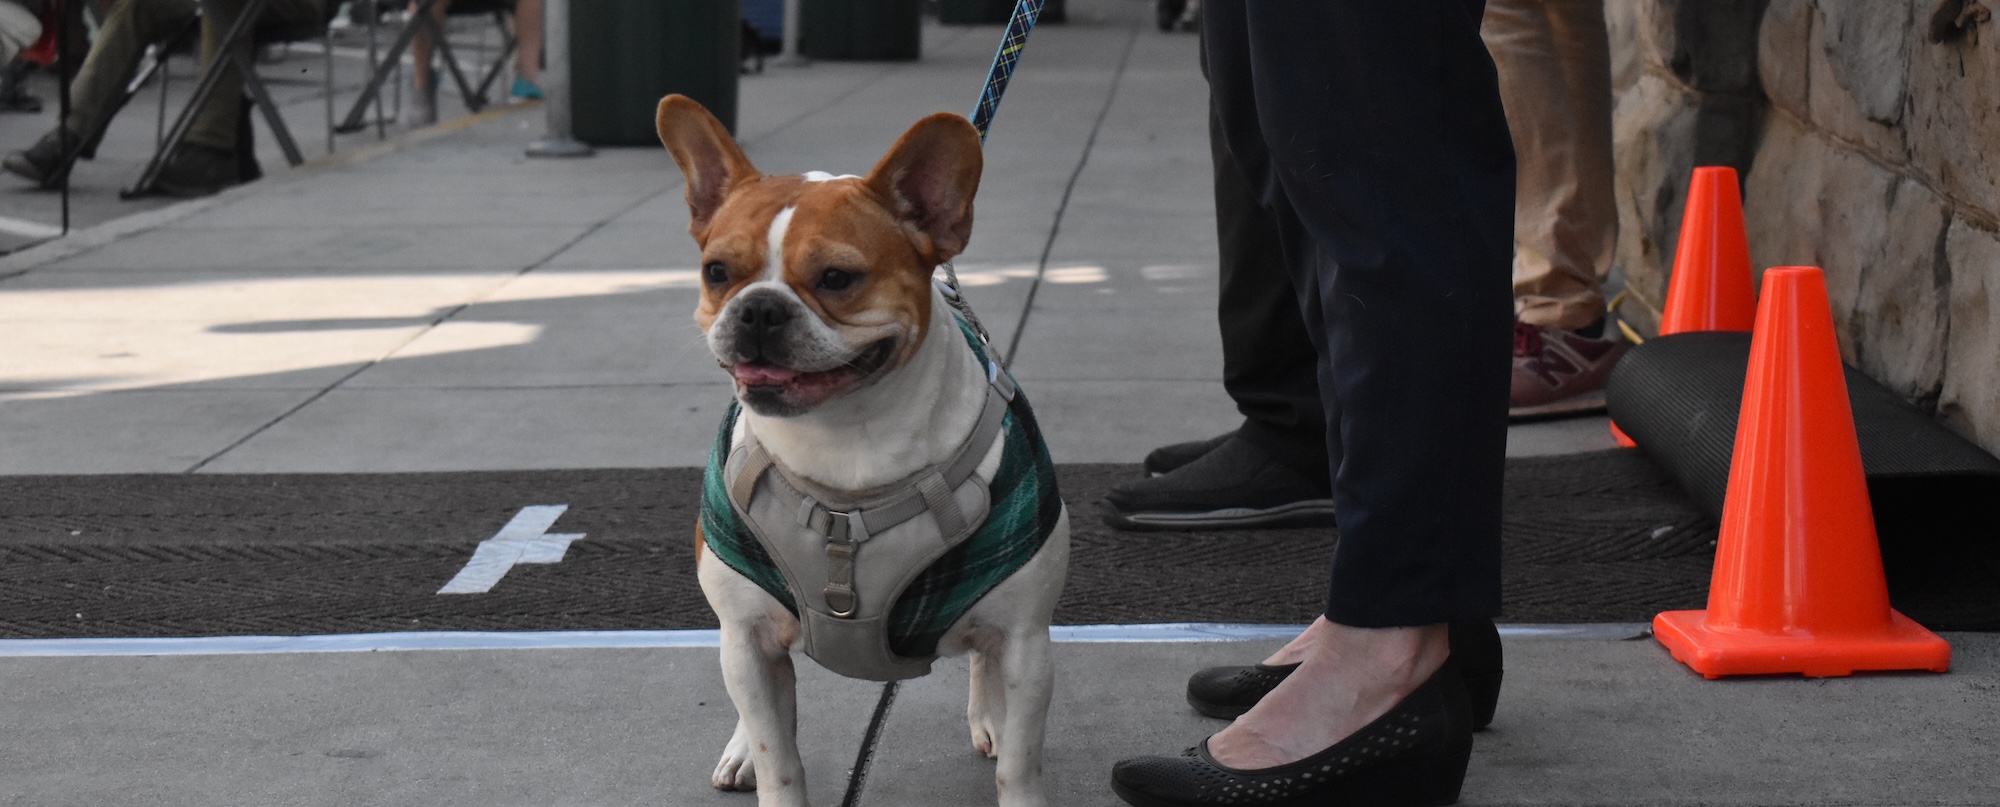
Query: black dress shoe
1228, 692
199, 171
1235, 485
1413, 756
41, 163
1165, 459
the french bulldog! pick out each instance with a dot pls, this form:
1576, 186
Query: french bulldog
879, 493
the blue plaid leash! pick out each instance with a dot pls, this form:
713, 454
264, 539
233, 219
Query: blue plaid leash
1026, 12
1019, 26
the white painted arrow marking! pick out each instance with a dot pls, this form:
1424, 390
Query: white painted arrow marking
523, 540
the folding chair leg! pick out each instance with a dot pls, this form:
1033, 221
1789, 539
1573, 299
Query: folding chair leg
509, 43
255, 86
326, 42
391, 61
381, 122
473, 101
160, 115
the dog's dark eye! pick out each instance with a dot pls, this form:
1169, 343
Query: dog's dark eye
715, 274
837, 279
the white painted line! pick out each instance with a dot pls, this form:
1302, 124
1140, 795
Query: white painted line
29, 229
1172, 632
652, 639
520, 541
1226, 632
358, 643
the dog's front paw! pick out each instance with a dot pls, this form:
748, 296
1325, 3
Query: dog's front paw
985, 705
734, 771
985, 726
986, 739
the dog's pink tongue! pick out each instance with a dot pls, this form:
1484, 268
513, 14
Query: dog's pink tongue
763, 375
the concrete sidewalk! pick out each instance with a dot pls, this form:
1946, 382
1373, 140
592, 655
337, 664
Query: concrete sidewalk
453, 305
1584, 719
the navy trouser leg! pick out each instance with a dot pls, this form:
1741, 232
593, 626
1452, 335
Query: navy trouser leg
1269, 366
1377, 130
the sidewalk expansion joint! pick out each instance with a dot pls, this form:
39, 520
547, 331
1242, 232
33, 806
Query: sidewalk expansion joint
442, 319
1062, 207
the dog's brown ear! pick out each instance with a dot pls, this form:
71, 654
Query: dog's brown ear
929, 178
708, 157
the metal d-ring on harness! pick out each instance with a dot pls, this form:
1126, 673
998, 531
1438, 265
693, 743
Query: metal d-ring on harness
1026, 12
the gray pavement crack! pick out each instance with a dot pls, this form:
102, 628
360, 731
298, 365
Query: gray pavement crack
1055, 227
446, 317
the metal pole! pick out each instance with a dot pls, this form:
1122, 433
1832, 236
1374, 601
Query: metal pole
63, 64
555, 86
791, 57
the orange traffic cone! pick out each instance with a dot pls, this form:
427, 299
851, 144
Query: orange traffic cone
1798, 584
1619, 435
1710, 289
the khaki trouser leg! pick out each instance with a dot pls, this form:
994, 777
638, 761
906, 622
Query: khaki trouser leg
114, 58
214, 124
1555, 80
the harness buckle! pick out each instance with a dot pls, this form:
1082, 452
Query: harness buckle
846, 526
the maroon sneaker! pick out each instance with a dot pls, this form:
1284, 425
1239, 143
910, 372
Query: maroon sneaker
1559, 372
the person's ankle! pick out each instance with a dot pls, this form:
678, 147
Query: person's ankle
1348, 677
1401, 658
1301, 646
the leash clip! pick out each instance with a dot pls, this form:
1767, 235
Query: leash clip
955, 297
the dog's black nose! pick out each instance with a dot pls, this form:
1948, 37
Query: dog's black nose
762, 320
764, 314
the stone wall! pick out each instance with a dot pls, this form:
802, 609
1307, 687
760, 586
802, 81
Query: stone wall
1868, 136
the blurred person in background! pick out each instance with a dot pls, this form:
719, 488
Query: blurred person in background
1373, 137
527, 61
207, 161
20, 27
1553, 60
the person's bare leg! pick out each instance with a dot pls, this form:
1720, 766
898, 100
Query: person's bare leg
422, 76
528, 37
1347, 677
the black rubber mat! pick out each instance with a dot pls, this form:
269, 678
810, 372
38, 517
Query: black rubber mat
1589, 538
1935, 495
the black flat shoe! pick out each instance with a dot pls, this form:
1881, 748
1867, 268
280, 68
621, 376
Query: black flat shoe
1228, 692
1413, 756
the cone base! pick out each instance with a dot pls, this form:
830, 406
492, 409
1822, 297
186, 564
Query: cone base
1618, 434
1714, 653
